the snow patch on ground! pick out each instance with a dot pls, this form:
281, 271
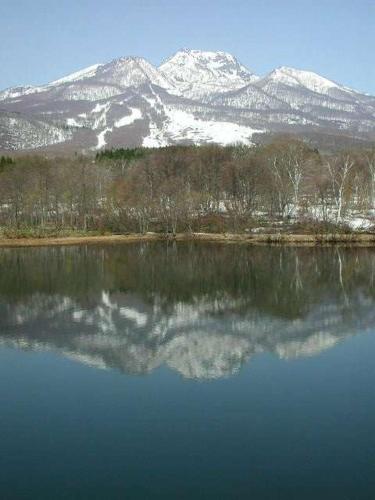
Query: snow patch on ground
101, 121
181, 125
135, 114
101, 110
101, 137
155, 138
358, 223
72, 122
99, 107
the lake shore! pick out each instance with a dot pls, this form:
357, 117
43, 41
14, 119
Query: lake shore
355, 239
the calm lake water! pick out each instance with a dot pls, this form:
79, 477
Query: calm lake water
188, 371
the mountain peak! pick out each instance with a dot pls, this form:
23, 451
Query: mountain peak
308, 79
131, 71
216, 59
199, 73
206, 53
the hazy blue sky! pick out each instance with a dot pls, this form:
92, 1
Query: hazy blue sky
42, 40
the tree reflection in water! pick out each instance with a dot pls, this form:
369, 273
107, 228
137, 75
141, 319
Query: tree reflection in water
201, 309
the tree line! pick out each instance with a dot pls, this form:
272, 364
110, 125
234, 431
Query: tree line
283, 184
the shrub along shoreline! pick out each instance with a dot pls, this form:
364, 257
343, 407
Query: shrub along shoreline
355, 239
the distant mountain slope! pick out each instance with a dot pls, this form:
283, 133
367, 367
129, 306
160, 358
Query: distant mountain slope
193, 97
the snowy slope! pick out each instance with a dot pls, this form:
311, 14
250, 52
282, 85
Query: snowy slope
308, 79
248, 97
78, 75
14, 92
193, 97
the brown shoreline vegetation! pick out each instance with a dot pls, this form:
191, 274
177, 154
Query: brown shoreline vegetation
280, 192
353, 239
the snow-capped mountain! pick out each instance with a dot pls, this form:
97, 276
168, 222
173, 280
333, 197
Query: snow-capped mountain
199, 74
193, 97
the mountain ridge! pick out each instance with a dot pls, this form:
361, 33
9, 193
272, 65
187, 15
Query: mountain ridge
193, 97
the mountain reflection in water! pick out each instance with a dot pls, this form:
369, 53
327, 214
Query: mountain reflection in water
203, 310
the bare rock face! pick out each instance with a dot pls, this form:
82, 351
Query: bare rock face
194, 97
